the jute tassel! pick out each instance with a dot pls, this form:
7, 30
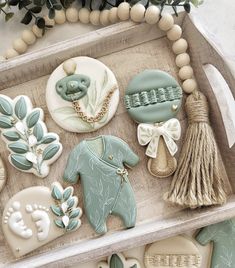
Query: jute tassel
197, 181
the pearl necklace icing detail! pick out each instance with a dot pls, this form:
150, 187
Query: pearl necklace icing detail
123, 12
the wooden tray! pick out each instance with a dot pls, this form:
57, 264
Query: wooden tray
127, 48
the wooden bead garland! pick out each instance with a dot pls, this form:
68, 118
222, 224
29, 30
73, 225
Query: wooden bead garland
113, 15
49, 22
174, 33
37, 31
28, 37
152, 15
182, 60
95, 17
124, 11
186, 72
72, 14
11, 53
180, 46
20, 46
84, 15
137, 13
60, 17
166, 22
104, 17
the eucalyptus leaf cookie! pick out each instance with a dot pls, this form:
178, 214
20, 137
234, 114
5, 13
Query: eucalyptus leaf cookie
38, 215
82, 95
100, 163
32, 148
119, 261
153, 99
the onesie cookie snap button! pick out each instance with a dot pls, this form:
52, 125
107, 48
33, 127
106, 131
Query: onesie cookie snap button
82, 95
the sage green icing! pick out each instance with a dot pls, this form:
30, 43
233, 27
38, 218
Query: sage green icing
5, 107
151, 96
73, 87
105, 190
21, 108
21, 162
116, 262
222, 235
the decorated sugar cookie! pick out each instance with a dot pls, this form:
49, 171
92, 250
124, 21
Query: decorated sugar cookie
222, 236
152, 99
100, 163
119, 261
179, 251
32, 148
38, 215
82, 95
3, 176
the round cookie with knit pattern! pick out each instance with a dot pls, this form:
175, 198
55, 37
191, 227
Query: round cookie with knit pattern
82, 95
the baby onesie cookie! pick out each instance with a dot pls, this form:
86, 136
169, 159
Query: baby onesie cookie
152, 99
100, 163
38, 215
179, 251
82, 95
119, 261
3, 176
222, 235
32, 149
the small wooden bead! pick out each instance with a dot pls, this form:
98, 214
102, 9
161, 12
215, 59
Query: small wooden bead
113, 15
11, 53
189, 86
2, 58
20, 46
72, 14
104, 17
174, 33
48, 21
28, 37
137, 13
69, 66
166, 22
37, 31
186, 72
95, 17
84, 15
152, 15
124, 11
60, 17
182, 60
180, 46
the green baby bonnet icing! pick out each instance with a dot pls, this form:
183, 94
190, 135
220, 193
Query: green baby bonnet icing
153, 96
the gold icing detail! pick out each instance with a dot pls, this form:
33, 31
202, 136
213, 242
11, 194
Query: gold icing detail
174, 107
111, 157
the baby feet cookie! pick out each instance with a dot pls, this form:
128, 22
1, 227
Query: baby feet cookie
32, 149
152, 99
100, 163
179, 251
119, 261
82, 95
38, 215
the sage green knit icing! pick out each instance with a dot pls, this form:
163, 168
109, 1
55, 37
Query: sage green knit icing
106, 188
153, 96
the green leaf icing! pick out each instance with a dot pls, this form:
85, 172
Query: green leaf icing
48, 139
70, 202
56, 193
67, 193
20, 162
21, 108
33, 118
38, 131
56, 210
11, 135
19, 147
75, 213
5, 107
5, 122
73, 224
134, 266
59, 223
116, 262
50, 151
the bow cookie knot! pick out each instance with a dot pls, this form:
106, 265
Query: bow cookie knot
123, 173
151, 133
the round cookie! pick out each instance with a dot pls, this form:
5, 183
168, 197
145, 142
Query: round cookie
82, 95
179, 251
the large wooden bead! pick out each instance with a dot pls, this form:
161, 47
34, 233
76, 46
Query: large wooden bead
124, 11
189, 85
182, 60
84, 15
152, 15
180, 46
20, 46
48, 21
137, 13
72, 14
60, 17
186, 72
11, 53
174, 33
69, 66
95, 17
104, 17
28, 37
166, 22
37, 31
113, 15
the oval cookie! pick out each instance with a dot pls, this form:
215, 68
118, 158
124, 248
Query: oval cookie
82, 95
179, 251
